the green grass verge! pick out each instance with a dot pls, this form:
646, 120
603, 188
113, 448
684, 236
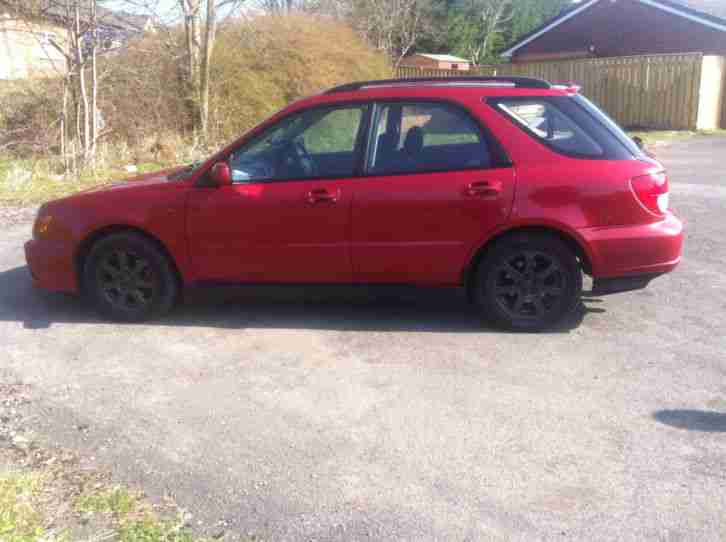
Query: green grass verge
30, 500
28, 182
117, 501
20, 519
653, 136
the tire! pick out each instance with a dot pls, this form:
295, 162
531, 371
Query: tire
128, 278
528, 282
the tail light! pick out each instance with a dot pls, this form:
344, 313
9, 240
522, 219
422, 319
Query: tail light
652, 192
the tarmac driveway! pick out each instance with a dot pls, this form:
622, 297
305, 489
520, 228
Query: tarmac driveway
338, 416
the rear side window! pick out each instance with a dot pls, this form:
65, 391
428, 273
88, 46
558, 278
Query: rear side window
421, 137
564, 125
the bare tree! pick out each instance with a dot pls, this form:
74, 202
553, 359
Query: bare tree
200, 20
79, 21
200, 30
280, 6
394, 26
479, 24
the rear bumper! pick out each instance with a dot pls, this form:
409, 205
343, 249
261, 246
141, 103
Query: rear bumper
51, 265
647, 250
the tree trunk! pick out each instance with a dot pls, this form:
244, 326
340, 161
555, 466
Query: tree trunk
83, 92
192, 16
209, 38
64, 126
94, 83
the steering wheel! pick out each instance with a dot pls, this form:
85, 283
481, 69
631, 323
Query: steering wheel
297, 155
306, 161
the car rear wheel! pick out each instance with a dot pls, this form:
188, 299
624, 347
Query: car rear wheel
128, 278
528, 282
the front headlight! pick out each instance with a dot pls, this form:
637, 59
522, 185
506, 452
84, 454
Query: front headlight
42, 226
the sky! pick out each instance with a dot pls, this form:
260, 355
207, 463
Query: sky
164, 7
167, 10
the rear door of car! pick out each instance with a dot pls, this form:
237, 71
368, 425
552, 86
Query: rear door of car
435, 184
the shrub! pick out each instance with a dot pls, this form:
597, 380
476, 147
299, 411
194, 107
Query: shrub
30, 116
259, 65
141, 93
264, 63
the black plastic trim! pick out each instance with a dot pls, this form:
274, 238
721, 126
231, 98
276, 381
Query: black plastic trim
519, 82
616, 285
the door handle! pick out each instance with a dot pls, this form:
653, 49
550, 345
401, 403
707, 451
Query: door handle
483, 189
321, 195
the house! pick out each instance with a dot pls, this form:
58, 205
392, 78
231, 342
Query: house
34, 45
655, 63
436, 62
610, 28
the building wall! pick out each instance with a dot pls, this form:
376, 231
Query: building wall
25, 49
623, 28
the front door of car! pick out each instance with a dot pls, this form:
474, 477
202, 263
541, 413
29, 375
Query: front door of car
286, 216
436, 184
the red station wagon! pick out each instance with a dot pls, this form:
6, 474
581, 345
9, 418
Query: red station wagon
509, 187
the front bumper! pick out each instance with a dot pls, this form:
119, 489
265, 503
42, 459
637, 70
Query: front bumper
51, 265
644, 250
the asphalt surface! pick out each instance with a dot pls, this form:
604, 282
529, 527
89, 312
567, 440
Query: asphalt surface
300, 415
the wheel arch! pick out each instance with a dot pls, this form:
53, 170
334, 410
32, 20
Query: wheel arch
84, 248
566, 237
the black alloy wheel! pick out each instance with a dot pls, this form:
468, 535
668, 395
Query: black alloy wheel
129, 278
528, 282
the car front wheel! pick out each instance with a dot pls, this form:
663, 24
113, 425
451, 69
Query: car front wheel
528, 282
128, 278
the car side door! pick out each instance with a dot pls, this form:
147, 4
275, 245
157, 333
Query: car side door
435, 184
286, 216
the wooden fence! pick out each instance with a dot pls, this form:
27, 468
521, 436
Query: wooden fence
409, 72
658, 92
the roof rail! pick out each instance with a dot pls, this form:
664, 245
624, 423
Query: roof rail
519, 82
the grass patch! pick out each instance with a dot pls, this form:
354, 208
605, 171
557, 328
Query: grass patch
27, 182
151, 530
132, 519
20, 520
117, 501
653, 136
31, 500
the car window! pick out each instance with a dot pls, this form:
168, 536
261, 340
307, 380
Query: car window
552, 125
335, 132
420, 137
316, 143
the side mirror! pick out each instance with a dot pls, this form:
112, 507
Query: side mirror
221, 175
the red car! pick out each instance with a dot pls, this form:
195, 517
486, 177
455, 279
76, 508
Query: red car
510, 187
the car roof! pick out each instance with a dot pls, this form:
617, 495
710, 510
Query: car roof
438, 88
513, 81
